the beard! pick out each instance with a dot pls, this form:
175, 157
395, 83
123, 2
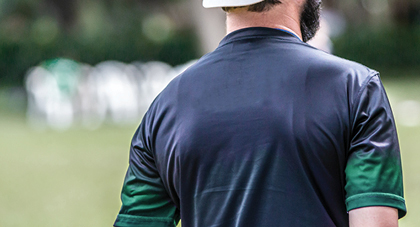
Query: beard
309, 19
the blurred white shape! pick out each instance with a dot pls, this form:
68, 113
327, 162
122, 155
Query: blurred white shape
408, 113
322, 39
50, 92
336, 21
332, 24
60, 113
62, 92
154, 78
39, 84
91, 112
116, 91
210, 24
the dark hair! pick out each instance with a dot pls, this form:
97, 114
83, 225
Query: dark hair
257, 7
309, 19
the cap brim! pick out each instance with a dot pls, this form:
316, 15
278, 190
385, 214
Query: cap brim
228, 3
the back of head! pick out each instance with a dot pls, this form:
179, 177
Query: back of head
307, 13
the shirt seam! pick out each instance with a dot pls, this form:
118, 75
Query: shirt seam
376, 194
258, 37
363, 87
145, 218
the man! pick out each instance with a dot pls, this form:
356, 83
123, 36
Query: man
266, 131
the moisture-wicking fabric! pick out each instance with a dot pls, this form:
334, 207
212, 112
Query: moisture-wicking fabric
264, 131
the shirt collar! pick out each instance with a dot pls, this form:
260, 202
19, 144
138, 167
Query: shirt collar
259, 32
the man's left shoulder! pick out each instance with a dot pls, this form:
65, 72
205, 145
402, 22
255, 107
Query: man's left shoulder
327, 64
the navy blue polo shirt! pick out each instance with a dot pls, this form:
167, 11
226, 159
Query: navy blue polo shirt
264, 131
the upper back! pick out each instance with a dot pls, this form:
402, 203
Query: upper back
263, 120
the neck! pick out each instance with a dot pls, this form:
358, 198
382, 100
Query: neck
282, 16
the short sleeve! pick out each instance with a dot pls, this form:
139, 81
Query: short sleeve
145, 202
373, 171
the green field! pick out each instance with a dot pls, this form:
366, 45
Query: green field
74, 178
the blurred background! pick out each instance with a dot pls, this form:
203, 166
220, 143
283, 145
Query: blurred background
77, 76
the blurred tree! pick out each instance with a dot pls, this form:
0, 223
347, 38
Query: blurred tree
406, 12
209, 24
91, 31
330, 4
65, 12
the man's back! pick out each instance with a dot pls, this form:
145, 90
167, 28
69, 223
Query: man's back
259, 133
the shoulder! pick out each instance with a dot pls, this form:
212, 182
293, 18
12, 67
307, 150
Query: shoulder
356, 76
325, 61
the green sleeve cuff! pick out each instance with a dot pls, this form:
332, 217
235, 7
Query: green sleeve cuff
377, 199
125, 220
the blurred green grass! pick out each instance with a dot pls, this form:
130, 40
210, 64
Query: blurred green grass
69, 178
74, 178
402, 89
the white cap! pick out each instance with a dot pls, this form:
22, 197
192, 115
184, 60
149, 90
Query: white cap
228, 3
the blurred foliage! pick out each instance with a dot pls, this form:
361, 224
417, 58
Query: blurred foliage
381, 48
92, 31
16, 57
32, 31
